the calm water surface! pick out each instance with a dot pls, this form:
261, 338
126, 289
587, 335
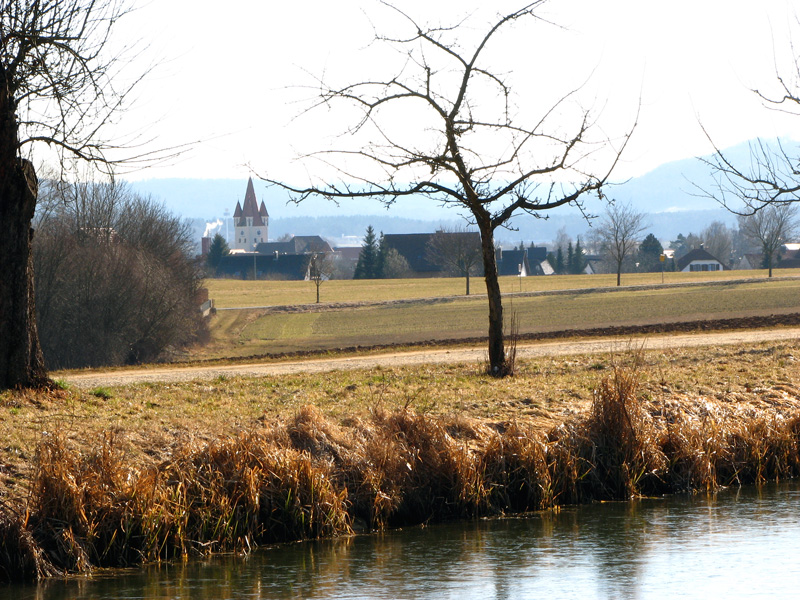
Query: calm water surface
738, 544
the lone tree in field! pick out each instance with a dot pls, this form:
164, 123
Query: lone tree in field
619, 234
446, 125
56, 89
319, 268
769, 228
457, 251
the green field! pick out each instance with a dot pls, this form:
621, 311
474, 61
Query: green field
255, 332
236, 293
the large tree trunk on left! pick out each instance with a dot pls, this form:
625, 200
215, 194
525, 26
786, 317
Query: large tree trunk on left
21, 361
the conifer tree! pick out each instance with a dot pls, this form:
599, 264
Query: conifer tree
570, 259
578, 258
368, 258
560, 261
217, 251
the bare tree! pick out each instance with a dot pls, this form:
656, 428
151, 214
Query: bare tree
456, 251
116, 277
771, 176
718, 241
55, 88
464, 142
770, 227
319, 269
619, 231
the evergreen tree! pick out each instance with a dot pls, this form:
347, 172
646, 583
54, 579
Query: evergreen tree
368, 258
649, 254
570, 259
578, 259
380, 263
559, 266
217, 251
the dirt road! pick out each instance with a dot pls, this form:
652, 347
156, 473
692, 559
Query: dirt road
452, 355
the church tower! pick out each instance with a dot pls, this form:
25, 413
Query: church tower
251, 222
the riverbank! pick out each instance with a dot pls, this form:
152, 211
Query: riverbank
116, 477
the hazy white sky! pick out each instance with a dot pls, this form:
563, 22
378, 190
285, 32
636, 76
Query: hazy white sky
232, 74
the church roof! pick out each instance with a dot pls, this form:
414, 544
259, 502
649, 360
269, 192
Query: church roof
250, 208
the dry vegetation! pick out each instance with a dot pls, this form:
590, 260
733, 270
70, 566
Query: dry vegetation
125, 475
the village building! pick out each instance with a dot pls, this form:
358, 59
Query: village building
250, 221
699, 259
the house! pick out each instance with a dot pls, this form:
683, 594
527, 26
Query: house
414, 248
250, 265
699, 260
537, 259
751, 261
298, 244
789, 257
513, 262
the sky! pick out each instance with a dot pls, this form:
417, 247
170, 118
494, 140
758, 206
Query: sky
232, 79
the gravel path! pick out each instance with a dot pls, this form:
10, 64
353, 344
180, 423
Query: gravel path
169, 374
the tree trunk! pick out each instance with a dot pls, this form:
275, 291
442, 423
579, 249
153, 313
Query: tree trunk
21, 361
467, 282
497, 355
619, 276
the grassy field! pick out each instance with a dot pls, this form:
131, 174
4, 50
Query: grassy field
255, 332
235, 293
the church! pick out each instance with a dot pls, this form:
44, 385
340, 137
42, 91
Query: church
253, 256
250, 222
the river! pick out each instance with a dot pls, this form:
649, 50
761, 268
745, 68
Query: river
736, 544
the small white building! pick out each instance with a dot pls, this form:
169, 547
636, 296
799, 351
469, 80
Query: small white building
250, 222
699, 260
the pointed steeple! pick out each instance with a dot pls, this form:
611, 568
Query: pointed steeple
263, 211
250, 208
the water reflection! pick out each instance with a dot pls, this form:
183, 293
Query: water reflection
739, 544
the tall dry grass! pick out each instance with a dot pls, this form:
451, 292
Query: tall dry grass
308, 477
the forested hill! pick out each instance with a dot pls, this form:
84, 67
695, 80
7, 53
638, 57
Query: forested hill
672, 191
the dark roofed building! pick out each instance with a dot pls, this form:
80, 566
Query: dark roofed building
513, 262
246, 265
299, 244
413, 247
699, 260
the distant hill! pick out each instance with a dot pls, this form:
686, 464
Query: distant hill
669, 191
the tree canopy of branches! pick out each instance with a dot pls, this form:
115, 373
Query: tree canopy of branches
463, 142
771, 176
116, 278
456, 251
769, 228
55, 88
619, 231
